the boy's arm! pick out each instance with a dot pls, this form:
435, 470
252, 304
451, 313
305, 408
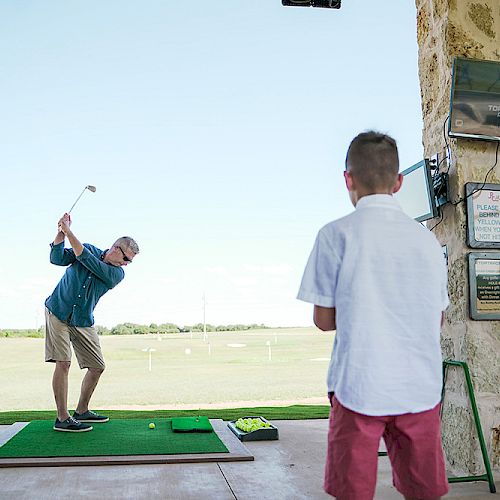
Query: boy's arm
320, 280
324, 318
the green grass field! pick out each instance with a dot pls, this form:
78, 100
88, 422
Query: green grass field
226, 376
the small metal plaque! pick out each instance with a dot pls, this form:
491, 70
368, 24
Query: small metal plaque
484, 285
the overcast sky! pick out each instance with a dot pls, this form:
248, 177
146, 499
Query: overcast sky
215, 133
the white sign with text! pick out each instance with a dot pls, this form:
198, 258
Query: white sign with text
486, 207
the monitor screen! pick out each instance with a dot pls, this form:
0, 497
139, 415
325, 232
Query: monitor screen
475, 99
416, 195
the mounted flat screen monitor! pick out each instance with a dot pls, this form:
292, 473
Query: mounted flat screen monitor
475, 99
416, 195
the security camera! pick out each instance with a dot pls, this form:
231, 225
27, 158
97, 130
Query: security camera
327, 4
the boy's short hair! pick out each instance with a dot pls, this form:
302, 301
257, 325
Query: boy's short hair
372, 158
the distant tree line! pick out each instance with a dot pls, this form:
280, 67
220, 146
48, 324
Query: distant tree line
33, 333
135, 329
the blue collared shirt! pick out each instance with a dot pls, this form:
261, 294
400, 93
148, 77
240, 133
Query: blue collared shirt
85, 281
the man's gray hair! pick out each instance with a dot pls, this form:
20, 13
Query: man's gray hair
128, 243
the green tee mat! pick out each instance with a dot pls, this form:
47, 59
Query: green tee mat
191, 424
116, 437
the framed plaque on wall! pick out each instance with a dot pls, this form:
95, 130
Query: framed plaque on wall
483, 215
484, 285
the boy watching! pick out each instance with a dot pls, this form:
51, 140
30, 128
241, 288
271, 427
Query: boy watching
379, 279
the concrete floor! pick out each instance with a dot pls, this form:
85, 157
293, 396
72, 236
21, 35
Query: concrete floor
291, 468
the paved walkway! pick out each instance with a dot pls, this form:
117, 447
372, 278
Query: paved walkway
291, 468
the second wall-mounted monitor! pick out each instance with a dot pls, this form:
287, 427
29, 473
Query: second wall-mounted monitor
475, 99
416, 195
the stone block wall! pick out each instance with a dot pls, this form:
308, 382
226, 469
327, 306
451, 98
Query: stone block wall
445, 29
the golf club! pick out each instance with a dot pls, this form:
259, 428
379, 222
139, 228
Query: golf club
90, 188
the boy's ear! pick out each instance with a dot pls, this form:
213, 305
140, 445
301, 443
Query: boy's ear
398, 184
349, 181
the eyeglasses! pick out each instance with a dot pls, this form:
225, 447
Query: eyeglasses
125, 258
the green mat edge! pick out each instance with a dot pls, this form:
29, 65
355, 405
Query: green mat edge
293, 412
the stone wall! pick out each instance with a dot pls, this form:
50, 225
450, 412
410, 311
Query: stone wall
445, 29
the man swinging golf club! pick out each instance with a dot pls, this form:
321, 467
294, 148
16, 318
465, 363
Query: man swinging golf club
69, 317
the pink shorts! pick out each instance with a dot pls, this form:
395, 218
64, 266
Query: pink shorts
414, 447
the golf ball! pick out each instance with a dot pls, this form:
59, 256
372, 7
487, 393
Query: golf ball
152, 425
187, 351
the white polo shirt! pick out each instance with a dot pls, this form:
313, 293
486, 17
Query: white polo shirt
386, 276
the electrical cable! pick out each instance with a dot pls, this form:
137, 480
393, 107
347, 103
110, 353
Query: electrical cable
439, 222
473, 191
448, 150
447, 156
484, 182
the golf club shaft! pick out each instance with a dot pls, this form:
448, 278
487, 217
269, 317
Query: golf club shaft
73, 206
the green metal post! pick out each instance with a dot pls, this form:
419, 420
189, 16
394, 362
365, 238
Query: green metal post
483, 477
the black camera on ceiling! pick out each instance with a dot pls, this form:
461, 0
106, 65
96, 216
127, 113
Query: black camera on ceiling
326, 4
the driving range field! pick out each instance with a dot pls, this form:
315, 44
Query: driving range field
226, 369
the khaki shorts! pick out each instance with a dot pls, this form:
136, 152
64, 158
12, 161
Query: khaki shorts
59, 337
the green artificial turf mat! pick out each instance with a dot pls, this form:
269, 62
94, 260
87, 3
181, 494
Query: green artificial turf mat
191, 424
116, 437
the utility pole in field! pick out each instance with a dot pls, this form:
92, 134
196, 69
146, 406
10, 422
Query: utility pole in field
204, 318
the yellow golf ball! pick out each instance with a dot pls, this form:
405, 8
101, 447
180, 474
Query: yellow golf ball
152, 425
